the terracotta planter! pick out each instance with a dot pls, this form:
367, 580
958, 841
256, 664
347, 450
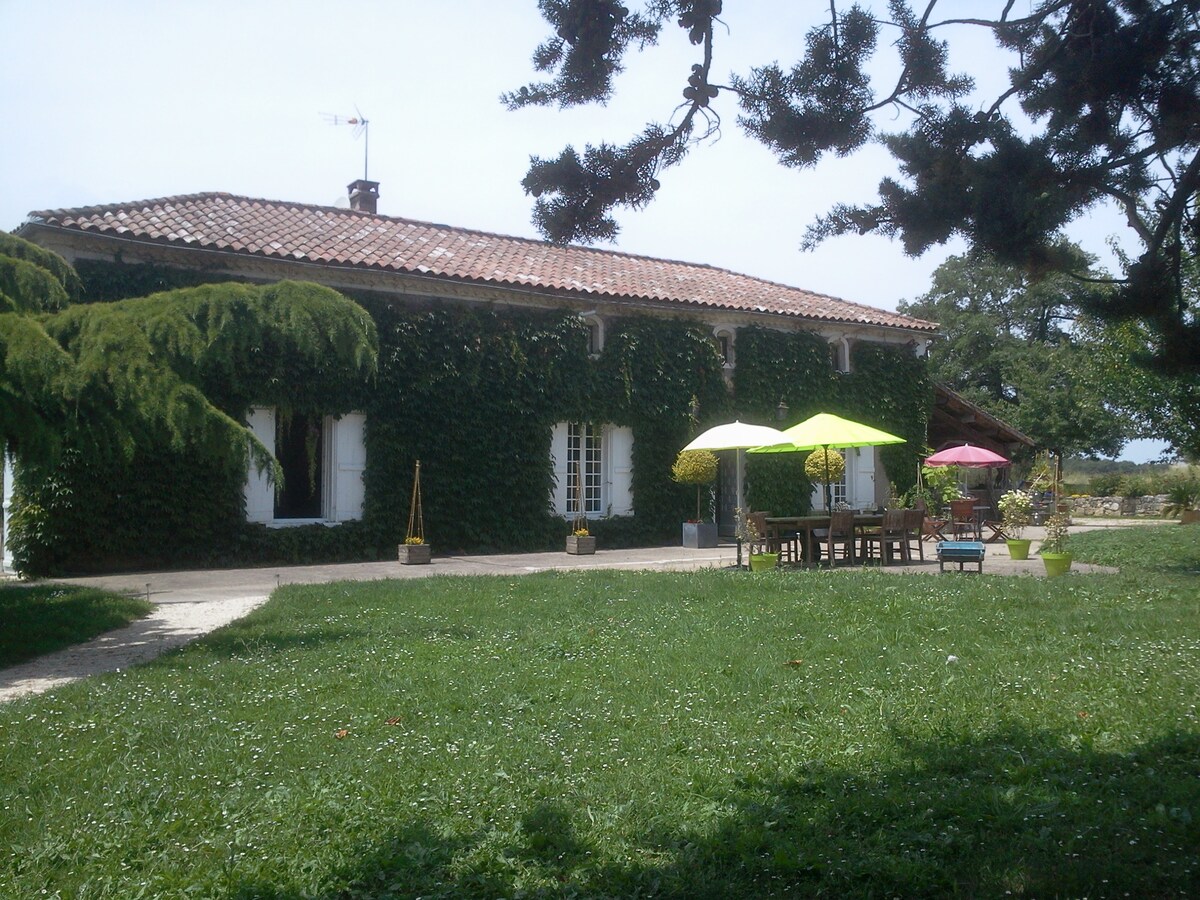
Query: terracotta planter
415, 554
698, 535
581, 545
1056, 564
1018, 548
761, 562
1189, 517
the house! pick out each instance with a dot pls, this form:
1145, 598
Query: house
956, 420
624, 401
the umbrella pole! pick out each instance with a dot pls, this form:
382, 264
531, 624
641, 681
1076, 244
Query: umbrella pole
738, 463
828, 486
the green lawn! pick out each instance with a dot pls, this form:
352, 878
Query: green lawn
709, 734
38, 619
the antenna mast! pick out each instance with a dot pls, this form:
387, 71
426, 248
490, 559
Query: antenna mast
360, 127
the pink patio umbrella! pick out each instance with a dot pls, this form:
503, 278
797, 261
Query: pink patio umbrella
970, 458
967, 456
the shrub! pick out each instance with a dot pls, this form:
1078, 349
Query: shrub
1183, 494
1133, 486
1105, 485
1017, 509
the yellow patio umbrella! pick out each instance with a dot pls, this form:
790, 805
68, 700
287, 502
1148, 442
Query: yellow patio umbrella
827, 431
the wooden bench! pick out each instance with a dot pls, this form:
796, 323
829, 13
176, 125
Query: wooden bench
960, 552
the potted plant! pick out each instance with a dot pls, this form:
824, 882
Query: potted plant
580, 542
1055, 553
1182, 499
698, 467
747, 534
825, 466
414, 551
1016, 508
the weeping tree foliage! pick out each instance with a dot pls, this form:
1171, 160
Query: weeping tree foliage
180, 367
1101, 107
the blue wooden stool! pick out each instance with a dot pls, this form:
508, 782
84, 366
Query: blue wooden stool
960, 552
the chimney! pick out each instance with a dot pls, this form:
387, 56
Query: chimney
364, 195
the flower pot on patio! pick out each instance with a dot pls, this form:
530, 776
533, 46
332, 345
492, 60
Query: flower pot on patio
415, 554
698, 535
761, 562
1056, 563
581, 544
1189, 517
1018, 548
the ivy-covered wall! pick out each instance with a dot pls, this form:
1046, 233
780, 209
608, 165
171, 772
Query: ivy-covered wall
887, 388
473, 392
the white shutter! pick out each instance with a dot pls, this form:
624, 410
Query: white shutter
260, 493
619, 454
558, 461
862, 478
348, 460
6, 560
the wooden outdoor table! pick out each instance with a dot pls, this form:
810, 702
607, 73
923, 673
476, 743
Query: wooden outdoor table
801, 528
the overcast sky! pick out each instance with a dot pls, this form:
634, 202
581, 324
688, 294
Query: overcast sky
130, 99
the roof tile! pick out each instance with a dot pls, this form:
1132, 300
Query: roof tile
342, 237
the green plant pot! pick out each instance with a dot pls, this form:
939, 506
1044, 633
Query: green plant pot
760, 562
1056, 564
1018, 548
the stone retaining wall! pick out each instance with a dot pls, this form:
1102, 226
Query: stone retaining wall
1151, 507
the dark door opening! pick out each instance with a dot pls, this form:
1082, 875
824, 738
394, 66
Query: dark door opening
299, 449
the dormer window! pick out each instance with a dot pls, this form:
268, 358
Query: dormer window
839, 355
595, 329
723, 340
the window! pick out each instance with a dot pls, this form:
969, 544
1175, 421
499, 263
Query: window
856, 488
583, 469
602, 455
595, 329
723, 338
839, 487
839, 355
323, 459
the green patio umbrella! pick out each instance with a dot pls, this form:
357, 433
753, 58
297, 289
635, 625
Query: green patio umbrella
827, 431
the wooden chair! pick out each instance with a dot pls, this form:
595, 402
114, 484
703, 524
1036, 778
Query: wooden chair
996, 533
962, 520
914, 526
841, 535
891, 537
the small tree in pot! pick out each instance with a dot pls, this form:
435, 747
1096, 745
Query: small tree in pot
825, 466
698, 467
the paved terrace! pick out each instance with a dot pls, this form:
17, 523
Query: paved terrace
190, 604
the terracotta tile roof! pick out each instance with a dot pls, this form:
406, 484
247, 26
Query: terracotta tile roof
343, 237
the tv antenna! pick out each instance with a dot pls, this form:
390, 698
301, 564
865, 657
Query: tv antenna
359, 124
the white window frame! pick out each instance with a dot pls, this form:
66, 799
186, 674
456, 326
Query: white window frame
840, 355
611, 481
343, 462
856, 487
595, 326
729, 336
